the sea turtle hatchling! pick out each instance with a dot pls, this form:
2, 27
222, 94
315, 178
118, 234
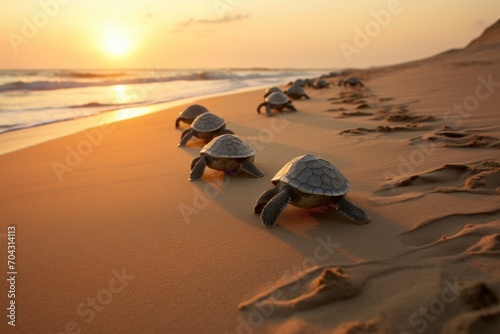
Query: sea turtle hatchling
278, 101
206, 126
300, 82
228, 153
307, 182
351, 81
296, 92
188, 115
320, 83
271, 90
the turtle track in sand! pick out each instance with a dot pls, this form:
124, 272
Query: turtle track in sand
481, 177
475, 298
382, 129
389, 113
446, 137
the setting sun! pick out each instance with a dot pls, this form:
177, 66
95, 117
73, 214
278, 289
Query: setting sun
116, 42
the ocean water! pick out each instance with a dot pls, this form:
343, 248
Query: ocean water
31, 98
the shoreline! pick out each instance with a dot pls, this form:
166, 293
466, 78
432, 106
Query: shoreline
19, 139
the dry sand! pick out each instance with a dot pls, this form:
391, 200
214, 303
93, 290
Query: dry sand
123, 243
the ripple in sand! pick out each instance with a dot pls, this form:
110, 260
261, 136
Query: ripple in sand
450, 257
479, 178
453, 227
382, 128
487, 244
409, 119
446, 137
355, 113
315, 288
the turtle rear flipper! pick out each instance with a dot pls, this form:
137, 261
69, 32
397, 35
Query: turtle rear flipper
251, 169
352, 211
186, 135
199, 168
177, 122
275, 206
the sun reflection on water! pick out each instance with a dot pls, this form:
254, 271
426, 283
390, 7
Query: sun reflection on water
124, 94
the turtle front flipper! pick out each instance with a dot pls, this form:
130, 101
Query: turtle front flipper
290, 107
186, 135
264, 198
307, 96
251, 169
260, 106
275, 206
185, 132
269, 113
199, 168
195, 160
352, 211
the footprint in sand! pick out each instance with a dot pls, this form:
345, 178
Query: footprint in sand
446, 137
337, 109
362, 106
401, 114
385, 99
409, 118
480, 178
349, 98
382, 128
354, 113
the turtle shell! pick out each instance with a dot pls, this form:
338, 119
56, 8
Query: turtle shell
353, 80
271, 90
295, 90
228, 146
207, 122
320, 83
277, 98
193, 111
300, 82
313, 175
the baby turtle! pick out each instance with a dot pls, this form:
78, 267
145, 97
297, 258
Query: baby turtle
188, 115
228, 153
352, 81
308, 82
296, 92
278, 101
206, 126
307, 182
300, 82
320, 83
271, 90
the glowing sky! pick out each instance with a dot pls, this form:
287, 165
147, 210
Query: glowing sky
234, 33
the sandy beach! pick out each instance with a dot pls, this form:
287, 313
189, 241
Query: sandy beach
111, 237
